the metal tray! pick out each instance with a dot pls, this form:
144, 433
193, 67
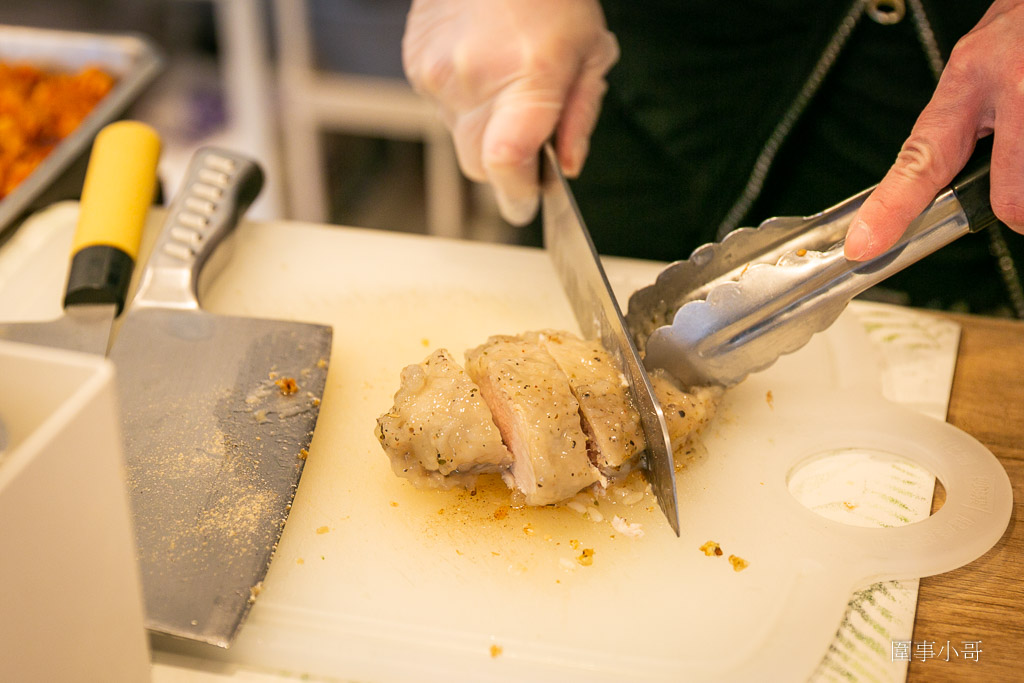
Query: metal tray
131, 59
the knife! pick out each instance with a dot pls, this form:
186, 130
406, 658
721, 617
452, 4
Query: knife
585, 283
120, 183
217, 413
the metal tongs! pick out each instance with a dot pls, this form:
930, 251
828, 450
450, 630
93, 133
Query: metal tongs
735, 306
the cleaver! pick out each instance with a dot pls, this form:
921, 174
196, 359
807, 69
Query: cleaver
217, 414
120, 183
568, 242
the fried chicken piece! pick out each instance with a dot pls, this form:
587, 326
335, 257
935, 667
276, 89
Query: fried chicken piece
612, 424
439, 433
538, 417
686, 411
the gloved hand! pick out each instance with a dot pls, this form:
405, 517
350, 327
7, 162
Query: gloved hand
980, 91
507, 74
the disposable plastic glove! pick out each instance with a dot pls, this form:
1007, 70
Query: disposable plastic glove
507, 75
981, 91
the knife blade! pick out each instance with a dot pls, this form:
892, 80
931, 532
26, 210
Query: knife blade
585, 283
217, 411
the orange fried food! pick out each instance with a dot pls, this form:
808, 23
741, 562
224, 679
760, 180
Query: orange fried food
38, 109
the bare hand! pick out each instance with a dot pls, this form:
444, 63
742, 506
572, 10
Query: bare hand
981, 92
506, 75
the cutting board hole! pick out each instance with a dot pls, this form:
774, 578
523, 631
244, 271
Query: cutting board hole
864, 487
939, 499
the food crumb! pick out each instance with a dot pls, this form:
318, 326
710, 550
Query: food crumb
425, 342
501, 512
849, 506
323, 529
440, 511
770, 399
576, 506
287, 385
255, 591
627, 529
303, 454
394, 503
711, 548
586, 558
801, 252
529, 530
299, 560
495, 649
738, 563
321, 363
574, 544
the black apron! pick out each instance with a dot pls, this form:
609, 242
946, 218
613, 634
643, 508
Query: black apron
698, 93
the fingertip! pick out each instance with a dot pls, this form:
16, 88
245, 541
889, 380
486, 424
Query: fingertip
573, 156
515, 181
518, 211
858, 241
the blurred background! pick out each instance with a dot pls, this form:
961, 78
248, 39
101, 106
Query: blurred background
313, 89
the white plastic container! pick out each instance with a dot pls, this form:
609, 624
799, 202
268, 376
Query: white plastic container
70, 599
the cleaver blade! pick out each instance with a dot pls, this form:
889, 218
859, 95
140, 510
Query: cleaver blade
217, 414
568, 242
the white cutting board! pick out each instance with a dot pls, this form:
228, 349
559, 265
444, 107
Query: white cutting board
372, 581
377, 580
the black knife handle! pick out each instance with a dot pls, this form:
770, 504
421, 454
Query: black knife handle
99, 274
972, 187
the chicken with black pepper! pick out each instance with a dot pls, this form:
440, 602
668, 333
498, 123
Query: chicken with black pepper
548, 411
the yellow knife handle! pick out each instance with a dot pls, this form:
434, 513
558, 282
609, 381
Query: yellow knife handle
120, 184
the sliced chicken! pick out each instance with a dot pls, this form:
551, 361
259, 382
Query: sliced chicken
439, 433
538, 417
686, 411
611, 422
547, 410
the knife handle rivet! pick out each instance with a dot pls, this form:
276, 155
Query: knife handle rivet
218, 178
192, 220
178, 250
186, 235
200, 206
220, 163
206, 191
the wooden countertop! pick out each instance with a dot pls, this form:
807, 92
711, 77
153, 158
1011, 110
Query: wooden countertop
983, 601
